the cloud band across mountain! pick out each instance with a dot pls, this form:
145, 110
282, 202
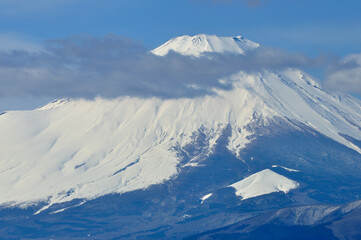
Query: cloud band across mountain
113, 66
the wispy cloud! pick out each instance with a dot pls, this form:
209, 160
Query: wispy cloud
249, 3
113, 66
345, 75
10, 42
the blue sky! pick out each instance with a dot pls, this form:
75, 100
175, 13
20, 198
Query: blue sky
298, 25
304, 26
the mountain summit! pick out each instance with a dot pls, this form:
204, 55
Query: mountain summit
202, 43
276, 140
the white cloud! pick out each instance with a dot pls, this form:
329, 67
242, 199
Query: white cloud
346, 75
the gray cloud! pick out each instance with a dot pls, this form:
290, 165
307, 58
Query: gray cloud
113, 66
345, 75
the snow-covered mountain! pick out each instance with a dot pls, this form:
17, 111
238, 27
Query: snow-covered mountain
86, 149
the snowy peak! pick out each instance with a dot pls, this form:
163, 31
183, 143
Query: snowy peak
54, 104
201, 43
263, 182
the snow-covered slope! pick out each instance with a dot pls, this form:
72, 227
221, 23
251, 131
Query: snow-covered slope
84, 149
263, 182
198, 44
88, 148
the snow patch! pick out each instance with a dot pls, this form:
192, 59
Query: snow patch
192, 164
63, 209
288, 169
205, 197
